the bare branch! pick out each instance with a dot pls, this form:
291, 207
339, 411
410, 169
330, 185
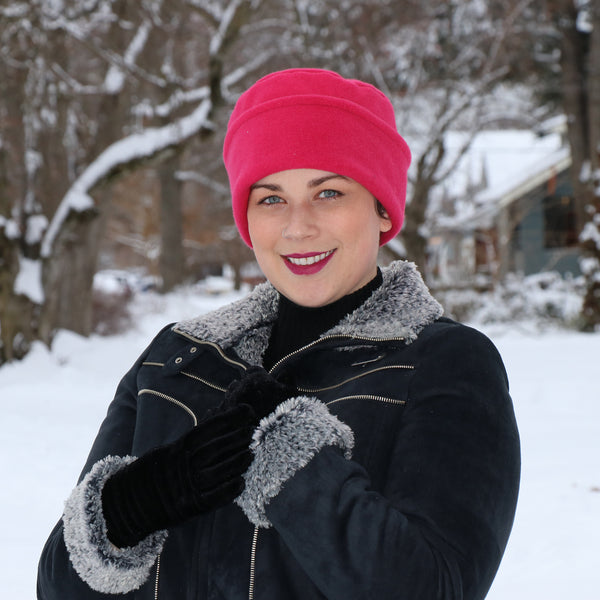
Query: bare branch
139, 146
211, 11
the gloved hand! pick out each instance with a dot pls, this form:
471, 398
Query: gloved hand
200, 471
260, 390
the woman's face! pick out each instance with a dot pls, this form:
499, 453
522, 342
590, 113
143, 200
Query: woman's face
315, 234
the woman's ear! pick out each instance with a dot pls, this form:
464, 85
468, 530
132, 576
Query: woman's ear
385, 223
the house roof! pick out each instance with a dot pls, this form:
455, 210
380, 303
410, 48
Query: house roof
499, 167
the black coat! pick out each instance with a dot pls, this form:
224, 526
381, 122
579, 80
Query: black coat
422, 509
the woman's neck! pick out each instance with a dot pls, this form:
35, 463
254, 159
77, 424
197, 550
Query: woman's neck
297, 325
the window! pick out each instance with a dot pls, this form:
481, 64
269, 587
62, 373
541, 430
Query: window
559, 222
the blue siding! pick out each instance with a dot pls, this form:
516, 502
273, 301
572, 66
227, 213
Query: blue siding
529, 252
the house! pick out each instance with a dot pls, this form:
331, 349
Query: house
507, 206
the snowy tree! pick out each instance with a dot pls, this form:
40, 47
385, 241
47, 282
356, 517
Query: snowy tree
439, 61
575, 38
449, 62
91, 90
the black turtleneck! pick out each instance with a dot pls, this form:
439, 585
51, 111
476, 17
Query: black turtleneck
297, 325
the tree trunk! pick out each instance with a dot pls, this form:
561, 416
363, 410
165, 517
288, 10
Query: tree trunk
574, 102
414, 242
18, 314
68, 275
590, 238
416, 210
580, 65
172, 261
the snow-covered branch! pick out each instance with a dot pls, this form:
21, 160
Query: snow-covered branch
77, 87
243, 71
225, 23
16, 10
122, 152
111, 57
176, 100
115, 76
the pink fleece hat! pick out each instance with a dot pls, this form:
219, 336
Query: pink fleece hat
316, 119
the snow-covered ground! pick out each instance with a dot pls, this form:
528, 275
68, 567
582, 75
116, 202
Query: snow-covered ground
53, 402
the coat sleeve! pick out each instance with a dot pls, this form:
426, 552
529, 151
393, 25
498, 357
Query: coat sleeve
440, 527
60, 570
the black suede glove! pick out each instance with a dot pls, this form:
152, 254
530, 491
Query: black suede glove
260, 390
200, 471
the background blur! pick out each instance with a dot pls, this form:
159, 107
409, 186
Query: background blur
115, 220
112, 116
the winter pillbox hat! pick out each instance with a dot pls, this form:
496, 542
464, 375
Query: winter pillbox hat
316, 119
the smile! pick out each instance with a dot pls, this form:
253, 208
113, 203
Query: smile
308, 264
309, 260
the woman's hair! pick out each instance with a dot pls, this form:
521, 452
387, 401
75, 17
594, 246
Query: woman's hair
380, 208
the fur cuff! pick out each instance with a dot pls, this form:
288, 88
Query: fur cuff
284, 442
103, 566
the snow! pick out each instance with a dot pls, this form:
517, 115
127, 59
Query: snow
11, 228
15, 10
115, 76
53, 402
589, 265
36, 225
554, 549
591, 233
29, 278
584, 18
33, 161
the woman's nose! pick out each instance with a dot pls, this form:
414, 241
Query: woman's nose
301, 223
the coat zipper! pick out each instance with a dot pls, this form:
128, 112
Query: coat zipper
253, 563
331, 387
214, 386
252, 568
367, 397
333, 337
171, 399
256, 529
287, 356
157, 578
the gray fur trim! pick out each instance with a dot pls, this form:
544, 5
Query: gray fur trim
244, 325
284, 442
400, 308
103, 566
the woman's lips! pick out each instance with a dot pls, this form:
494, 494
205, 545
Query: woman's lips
309, 263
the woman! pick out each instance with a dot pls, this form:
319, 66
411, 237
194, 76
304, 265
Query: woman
331, 435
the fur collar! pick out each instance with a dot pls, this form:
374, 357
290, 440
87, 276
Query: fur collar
400, 308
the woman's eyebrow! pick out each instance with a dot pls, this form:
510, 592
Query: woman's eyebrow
269, 186
273, 187
320, 180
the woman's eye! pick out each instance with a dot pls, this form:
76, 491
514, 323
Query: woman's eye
329, 194
271, 200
